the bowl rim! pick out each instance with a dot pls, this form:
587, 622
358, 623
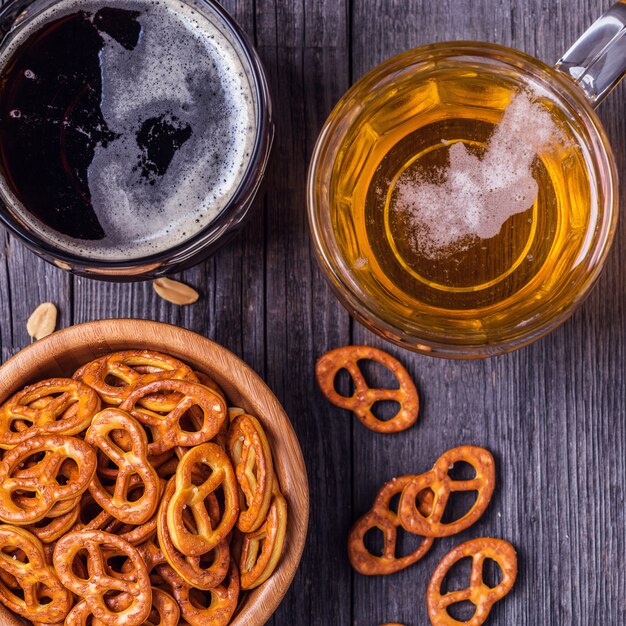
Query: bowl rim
18, 371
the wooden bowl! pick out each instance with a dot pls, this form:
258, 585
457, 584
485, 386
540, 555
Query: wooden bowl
63, 352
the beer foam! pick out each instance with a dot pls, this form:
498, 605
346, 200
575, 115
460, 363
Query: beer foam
186, 74
476, 195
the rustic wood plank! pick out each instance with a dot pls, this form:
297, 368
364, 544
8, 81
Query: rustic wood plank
304, 47
552, 413
27, 281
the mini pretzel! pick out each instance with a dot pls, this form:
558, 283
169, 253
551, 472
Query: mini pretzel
51, 528
382, 517
166, 428
207, 381
41, 479
219, 603
442, 486
364, 397
193, 496
190, 568
34, 578
132, 369
39, 412
132, 462
252, 458
165, 611
478, 593
102, 581
261, 549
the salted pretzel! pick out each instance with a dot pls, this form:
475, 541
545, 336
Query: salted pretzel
167, 428
261, 549
58, 509
38, 594
207, 381
481, 595
130, 462
164, 611
130, 369
251, 455
440, 483
214, 607
364, 397
103, 581
57, 406
192, 568
188, 495
381, 516
50, 529
41, 479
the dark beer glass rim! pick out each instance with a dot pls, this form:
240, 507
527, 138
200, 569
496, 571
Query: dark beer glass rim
259, 156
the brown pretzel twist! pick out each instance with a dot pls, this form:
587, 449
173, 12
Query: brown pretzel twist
167, 428
382, 517
481, 595
442, 486
50, 529
251, 455
189, 495
41, 478
33, 580
261, 549
191, 568
38, 410
218, 604
131, 462
102, 580
164, 612
364, 397
131, 369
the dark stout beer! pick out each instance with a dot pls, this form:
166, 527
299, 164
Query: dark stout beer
125, 128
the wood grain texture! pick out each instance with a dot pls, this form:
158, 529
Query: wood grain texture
554, 414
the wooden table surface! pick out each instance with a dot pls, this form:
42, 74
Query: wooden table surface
553, 414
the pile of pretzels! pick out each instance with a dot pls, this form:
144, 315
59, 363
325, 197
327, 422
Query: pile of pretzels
132, 494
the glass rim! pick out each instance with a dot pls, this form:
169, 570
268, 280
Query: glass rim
247, 187
365, 308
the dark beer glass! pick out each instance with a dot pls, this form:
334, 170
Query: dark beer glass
50, 214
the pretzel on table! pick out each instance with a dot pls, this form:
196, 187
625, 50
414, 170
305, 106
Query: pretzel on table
481, 595
440, 483
381, 516
364, 396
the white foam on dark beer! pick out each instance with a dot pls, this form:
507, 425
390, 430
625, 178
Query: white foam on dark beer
185, 66
476, 195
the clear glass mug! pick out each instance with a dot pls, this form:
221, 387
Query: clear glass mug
391, 219
15, 17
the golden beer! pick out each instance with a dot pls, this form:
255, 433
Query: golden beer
453, 220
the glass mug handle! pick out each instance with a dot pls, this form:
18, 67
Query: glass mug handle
597, 61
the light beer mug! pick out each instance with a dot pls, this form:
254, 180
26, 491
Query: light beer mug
463, 196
